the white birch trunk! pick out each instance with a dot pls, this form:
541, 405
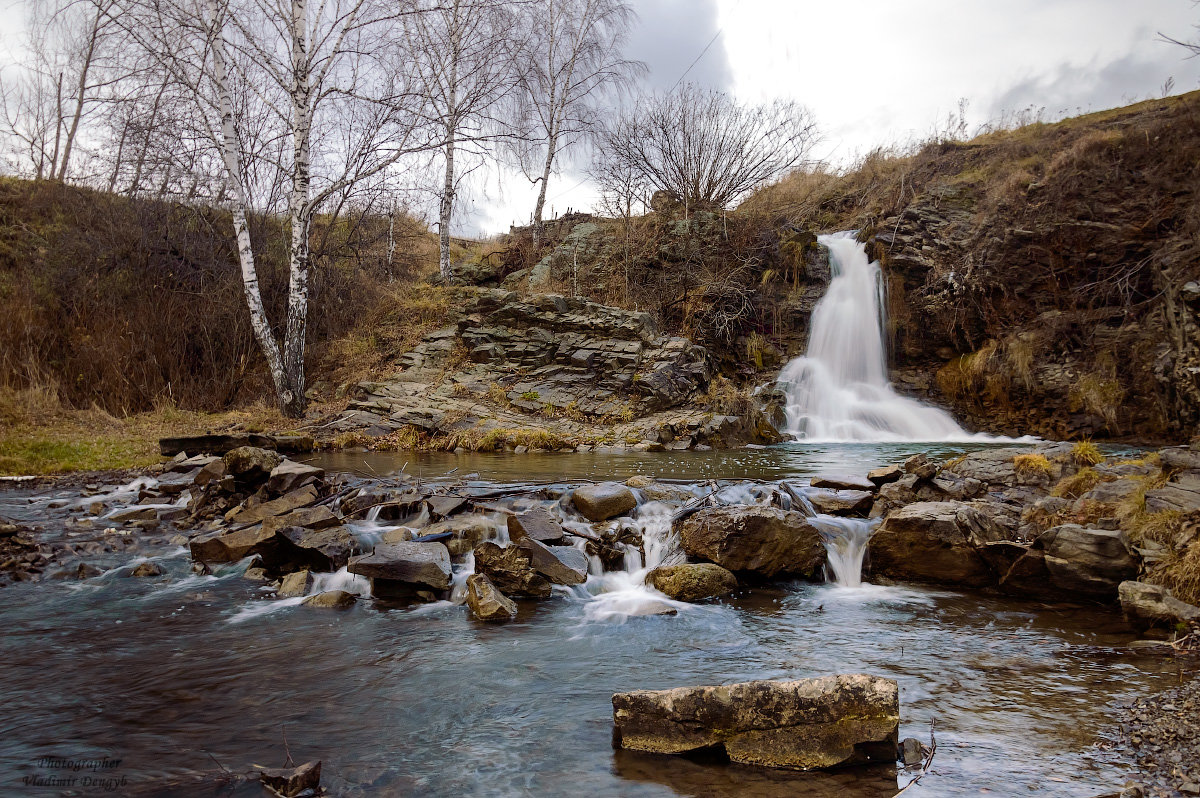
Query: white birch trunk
445, 212
230, 152
292, 400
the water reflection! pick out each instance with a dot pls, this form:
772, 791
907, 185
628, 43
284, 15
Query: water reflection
769, 463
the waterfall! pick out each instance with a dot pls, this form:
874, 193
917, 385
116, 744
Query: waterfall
839, 390
845, 542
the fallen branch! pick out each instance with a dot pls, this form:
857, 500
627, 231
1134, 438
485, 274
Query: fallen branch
927, 763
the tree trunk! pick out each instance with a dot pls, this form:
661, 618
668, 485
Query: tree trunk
541, 200
291, 401
445, 212
230, 152
81, 90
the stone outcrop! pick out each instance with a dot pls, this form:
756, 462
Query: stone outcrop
586, 372
765, 541
832, 721
692, 581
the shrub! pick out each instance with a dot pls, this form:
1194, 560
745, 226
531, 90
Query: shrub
1085, 453
1032, 465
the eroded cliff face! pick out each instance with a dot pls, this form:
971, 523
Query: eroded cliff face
1045, 280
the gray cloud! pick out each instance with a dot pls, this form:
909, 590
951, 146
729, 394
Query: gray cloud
1069, 89
670, 34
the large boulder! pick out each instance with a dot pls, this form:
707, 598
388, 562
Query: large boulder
326, 549
562, 565
827, 722
1072, 562
289, 475
1147, 605
924, 542
692, 581
420, 564
537, 524
766, 541
487, 602
251, 463
511, 570
603, 501
218, 547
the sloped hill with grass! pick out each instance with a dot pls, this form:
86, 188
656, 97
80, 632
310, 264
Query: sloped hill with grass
1042, 279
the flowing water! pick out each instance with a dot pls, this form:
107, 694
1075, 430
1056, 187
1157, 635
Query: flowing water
839, 390
173, 674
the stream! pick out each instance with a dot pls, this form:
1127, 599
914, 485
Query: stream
183, 676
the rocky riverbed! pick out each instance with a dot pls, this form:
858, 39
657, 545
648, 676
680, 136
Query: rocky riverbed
1020, 522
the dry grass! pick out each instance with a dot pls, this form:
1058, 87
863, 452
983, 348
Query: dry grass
49, 441
1030, 465
1079, 483
1085, 453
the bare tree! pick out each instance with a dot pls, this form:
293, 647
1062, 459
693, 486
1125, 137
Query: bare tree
574, 59
463, 52
65, 75
307, 103
705, 147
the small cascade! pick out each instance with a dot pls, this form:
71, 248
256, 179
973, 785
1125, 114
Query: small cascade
839, 390
845, 542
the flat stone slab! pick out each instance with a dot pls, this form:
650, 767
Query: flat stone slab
537, 524
831, 721
562, 565
842, 482
414, 563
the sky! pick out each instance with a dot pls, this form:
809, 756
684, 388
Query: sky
880, 72
875, 72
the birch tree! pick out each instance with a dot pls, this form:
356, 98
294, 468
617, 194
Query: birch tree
463, 57
311, 99
575, 60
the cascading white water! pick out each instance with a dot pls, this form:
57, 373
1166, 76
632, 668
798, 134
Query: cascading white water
839, 390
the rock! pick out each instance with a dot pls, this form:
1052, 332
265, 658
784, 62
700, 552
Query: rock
562, 565
827, 722
511, 570
297, 583
923, 542
147, 569
537, 524
331, 599
319, 549
1147, 606
289, 475
319, 517
486, 600
290, 782
603, 501
284, 504
692, 581
921, 467
1071, 562
884, 475
444, 506
250, 463
842, 502
426, 564
220, 547
255, 573
460, 534
1180, 495
910, 752
766, 541
131, 514
213, 471
842, 482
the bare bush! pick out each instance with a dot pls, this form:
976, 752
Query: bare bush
704, 146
